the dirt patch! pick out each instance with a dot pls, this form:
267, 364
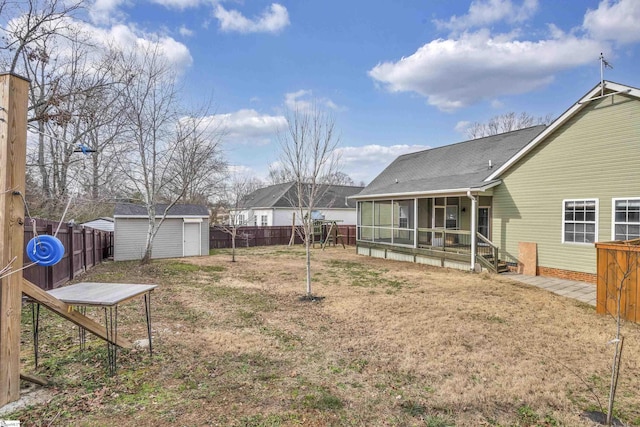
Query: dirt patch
390, 343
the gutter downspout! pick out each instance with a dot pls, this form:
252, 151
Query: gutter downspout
474, 226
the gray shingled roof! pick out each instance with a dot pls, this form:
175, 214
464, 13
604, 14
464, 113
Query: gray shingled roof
464, 165
285, 195
129, 209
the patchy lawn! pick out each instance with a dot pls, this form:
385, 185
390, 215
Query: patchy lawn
389, 344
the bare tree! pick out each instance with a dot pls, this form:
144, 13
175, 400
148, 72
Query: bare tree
198, 168
26, 22
70, 81
150, 107
279, 175
506, 123
308, 154
235, 198
338, 178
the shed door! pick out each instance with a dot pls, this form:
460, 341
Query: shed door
191, 242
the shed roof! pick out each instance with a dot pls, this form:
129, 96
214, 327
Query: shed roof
285, 195
456, 167
134, 210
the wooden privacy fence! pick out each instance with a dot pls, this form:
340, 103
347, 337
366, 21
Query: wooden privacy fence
83, 248
619, 278
268, 236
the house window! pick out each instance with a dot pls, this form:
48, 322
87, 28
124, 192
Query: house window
626, 219
580, 221
240, 219
264, 220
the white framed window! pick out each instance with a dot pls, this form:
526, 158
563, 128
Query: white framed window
240, 219
580, 221
264, 220
626, 218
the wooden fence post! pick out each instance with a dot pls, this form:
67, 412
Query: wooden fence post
49, 275
72, 248
14, 92
83, 232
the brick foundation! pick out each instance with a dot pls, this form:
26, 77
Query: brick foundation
567, 274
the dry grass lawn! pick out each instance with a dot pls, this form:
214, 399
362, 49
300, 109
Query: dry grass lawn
388, 344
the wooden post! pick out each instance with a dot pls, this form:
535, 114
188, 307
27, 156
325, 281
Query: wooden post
50, 272
71, 251
292, 240
13, 151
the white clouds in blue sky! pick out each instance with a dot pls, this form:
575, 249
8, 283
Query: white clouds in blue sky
489, 65
272, 20
247, 126
484, 13
397, 76
614, 21
486, 66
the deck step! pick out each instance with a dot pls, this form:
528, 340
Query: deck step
503, 267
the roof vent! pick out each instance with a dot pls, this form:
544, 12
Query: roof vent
396, 180
490, 165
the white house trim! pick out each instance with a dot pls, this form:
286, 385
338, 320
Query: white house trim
413, 194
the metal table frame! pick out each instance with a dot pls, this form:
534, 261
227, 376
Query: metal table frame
105, 295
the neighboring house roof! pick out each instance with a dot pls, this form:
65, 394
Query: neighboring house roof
597, 92
103, 223
286, 196
133, 210
452, 168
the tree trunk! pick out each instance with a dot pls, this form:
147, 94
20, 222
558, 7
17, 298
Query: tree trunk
233, 246
308, 230
146, 259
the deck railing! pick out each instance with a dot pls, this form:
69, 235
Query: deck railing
487, 252
444, 239
438, 239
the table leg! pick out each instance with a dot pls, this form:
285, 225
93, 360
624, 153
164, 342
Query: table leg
82, 332
147, 311
111, 325
35, 319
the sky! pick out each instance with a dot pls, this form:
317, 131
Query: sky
397, 76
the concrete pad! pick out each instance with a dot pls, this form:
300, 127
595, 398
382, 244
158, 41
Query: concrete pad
29, 396
581, 291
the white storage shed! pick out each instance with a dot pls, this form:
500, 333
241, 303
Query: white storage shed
185, 231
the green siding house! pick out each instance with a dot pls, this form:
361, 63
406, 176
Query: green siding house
470, 205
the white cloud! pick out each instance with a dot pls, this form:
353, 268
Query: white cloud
366, 162
615, 21
303, 100
247, 126
105, 11
462, 126
128, 37
486, 12
455, 73
241, 171
272, 20
293, 102
178, 4
185, 32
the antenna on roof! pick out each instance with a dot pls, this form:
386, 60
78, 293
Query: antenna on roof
603, 64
